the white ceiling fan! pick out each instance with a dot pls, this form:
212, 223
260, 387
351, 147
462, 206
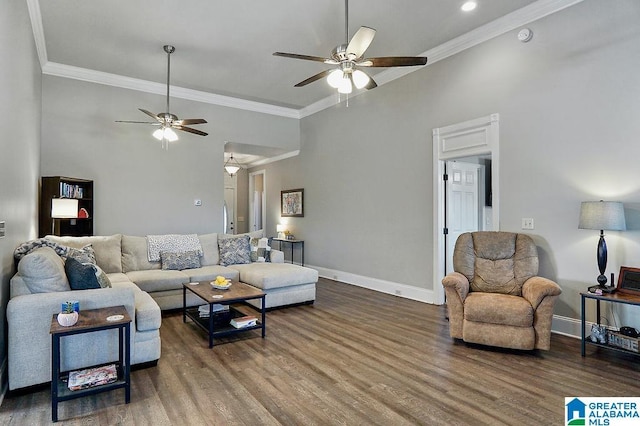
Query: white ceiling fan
349, 56
167, 121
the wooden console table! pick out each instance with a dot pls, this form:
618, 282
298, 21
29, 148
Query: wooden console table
292, 243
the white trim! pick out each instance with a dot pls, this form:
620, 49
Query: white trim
273, 159
382, 286
38, 31
263, 214
473, 137
99, 77
523, 16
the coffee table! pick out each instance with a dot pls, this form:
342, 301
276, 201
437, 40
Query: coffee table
217, 325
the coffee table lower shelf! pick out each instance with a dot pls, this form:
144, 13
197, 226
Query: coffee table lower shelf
220, 326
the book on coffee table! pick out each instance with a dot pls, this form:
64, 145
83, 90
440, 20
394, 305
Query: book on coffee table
246, 321
90, 377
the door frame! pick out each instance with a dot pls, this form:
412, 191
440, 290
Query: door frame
252, 176
479, 136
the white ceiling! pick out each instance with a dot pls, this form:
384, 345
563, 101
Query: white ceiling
224, 48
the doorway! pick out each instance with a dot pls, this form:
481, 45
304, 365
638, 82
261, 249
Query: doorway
257, 201
454, 146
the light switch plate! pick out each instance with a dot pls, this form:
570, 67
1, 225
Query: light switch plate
527, 223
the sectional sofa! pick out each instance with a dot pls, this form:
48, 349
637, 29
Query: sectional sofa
142, 286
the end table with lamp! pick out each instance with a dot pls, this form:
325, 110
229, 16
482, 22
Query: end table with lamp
292, 244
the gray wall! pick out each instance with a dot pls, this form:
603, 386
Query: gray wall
139, 188
20, 98
569, 102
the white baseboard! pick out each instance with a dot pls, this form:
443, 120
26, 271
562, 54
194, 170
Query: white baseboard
383, 286
561, 325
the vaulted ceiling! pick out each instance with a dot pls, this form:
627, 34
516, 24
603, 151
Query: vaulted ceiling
224, 48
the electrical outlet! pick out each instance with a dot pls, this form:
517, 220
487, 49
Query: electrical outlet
197, 202
527, 223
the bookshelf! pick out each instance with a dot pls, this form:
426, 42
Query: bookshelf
66, 187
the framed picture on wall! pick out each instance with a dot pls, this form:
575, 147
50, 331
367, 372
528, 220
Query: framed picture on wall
292, 203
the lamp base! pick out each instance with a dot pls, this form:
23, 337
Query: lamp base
601, 289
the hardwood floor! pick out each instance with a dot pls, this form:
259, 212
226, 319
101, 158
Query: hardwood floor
356, 357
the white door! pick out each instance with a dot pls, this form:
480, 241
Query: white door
229, 210
461, 204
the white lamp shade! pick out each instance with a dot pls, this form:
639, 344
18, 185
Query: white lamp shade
360, 79
281, 228
64, 208
602, 215
166, 133
345, 85
335, 78
231, 169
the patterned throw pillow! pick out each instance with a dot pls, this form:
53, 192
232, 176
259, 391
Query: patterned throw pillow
260, 250
234, 251
178, 261
84, 255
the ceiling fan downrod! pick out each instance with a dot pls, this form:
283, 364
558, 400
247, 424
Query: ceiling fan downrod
169, 49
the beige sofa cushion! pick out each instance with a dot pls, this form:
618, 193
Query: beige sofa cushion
210, 255
209, 273
496, 308
158, 279
134, 255
42, 271
107, 249
274, 275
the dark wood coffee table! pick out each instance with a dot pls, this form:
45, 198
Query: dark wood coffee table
217, 324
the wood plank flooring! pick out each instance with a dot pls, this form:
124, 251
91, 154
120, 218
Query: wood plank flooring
355, 357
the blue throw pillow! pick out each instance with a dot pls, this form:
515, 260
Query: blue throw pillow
80, 276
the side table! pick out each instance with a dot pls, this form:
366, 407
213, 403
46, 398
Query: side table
292, 243
89, 321
623, 298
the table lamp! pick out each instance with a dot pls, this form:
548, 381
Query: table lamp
63, 208
282, 229
602, 215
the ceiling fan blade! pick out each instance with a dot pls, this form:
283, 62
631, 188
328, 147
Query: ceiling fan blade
190, 130
138, 122
360, 41
306, 57
190, 121
314, 78
394, 61
150, 114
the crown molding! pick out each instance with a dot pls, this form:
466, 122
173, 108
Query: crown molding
523, 16
38, 31
99, 77
273, 159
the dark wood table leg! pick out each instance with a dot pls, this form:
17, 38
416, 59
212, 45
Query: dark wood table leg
55, 375
583, 325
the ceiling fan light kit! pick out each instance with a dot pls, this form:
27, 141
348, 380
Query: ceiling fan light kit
348, 57
167, 121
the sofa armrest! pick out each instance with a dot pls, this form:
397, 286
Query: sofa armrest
535, 289
277, 256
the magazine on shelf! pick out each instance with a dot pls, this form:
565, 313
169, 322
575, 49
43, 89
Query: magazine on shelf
242, 322
203, 310
90, 377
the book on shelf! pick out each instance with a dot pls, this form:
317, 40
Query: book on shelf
90, 377
246, 321
203, 310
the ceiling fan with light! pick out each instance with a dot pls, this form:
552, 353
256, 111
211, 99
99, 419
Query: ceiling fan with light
167, 121
349, 56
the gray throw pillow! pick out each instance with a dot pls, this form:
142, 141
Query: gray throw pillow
43, 271
178, 261
234, 251
84, 255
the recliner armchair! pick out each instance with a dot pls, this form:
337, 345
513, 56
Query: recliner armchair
494, 296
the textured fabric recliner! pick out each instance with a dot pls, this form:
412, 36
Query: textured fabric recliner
494, 296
